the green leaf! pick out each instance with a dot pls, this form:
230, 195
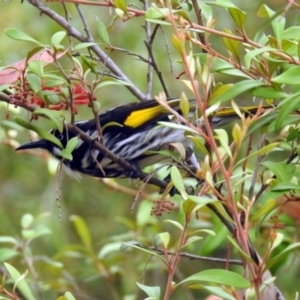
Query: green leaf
294, 134
69, 296
70, 147
285, 186
8, 239
34, 82
108, 249
162, 239
277, 20
238, 16
268, 93
27, 221
31, 234
153, 292
218, 276
105, 81
202, 200
291, 247
177, 43
188, 207
208, 231
281, 170
178, 181
222, 136
55, 78
65, 154
66, 296
253, 53
88, 64
183, 15
84, 45
235, 90
184, 105
19, 281
121, 4
199, 143
54, 116
289, 104
217, 291
157, 21
102, 32
261, 122
20, 36
231, 45
264, 210
83, 232
135, 245
238, 248
119, 13
42, 133
57, 39
157, 13
278, 240
175, 223
262, 151
292, 32
205, 10
237, 134
191, 240
290, 77
142, 217
7, 253
36, 67
51, 97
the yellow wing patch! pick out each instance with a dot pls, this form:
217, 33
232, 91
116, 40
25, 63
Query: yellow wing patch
139, 117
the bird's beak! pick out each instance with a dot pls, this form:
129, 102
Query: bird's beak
33, 145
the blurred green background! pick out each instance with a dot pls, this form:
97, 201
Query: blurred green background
27, 185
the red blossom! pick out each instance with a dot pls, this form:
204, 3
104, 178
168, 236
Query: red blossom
80, 97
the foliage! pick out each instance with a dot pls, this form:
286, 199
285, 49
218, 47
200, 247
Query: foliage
249, 176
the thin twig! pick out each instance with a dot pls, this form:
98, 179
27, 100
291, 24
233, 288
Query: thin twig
256, 168
197, 257
121, 162
150, 66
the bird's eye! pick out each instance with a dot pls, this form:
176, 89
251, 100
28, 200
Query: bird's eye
60, 137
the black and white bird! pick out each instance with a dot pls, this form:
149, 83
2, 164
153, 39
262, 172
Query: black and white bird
131, 132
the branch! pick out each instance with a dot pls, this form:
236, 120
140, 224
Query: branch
121, 162
16, 102
197, 257
107, 61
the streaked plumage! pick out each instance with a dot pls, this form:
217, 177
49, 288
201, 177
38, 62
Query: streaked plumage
129, 131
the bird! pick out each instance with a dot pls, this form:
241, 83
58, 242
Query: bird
131, 132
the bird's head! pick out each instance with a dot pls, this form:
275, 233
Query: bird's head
54, 148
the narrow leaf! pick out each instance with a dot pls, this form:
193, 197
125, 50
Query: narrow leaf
42, 133
102, 32
83, 232
151, 291
178, 181
57, 39
235, 90
218, 276
20, 36
290, 76
19, 281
